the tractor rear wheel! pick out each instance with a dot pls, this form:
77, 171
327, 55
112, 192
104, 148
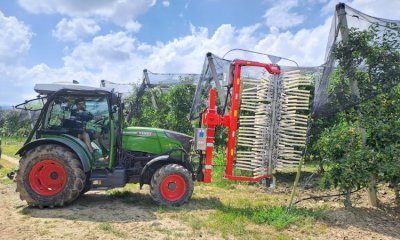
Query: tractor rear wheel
171, 185
50, 175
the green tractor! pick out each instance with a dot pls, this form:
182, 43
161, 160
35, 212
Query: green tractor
78, 144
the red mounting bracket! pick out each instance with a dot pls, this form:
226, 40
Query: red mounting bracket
212, 119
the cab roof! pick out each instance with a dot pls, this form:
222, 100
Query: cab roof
50, 88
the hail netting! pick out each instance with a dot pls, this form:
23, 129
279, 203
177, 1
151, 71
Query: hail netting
125, 89
272, 121
332, 94
216, 73
157, 83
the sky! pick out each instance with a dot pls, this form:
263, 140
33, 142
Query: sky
63, 40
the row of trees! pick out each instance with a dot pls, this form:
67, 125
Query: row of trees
359, 146
14, 123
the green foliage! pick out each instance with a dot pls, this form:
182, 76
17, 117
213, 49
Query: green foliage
14, 122
173, 106
370, 58
344, 156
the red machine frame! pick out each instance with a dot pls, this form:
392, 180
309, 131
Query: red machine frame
211, 119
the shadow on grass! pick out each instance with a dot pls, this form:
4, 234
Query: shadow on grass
101, 207
288, 177
116, 206
385, 221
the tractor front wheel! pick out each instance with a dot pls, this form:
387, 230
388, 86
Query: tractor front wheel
50, 175
171, 185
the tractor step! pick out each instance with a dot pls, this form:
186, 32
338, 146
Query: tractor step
104, 179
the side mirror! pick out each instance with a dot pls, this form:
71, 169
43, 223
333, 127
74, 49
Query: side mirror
114, 109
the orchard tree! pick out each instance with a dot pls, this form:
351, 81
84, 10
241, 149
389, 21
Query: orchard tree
173, 106
370, 58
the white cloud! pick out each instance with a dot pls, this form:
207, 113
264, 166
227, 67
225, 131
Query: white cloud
102, 50
165, 3
306, 47
281, 15
14, 39
121, 12
75, 29
133, 26
387, 9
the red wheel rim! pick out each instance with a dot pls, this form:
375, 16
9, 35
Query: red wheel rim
173, 187
47, 177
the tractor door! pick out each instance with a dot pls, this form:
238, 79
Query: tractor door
86, 118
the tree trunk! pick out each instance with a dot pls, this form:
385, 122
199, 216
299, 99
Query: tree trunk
347, 200
397, 193
373, 199
321, 167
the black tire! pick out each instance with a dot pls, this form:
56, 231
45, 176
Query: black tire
87, 187
73, 180
180, 185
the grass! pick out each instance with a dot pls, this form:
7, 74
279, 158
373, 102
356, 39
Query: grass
5, 168
218, 173
25, 212
246, 222
42, 231
277, 216
11, 145
235, 209
109, 228
128, 196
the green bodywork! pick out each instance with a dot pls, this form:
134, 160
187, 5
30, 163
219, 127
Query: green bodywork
149, 140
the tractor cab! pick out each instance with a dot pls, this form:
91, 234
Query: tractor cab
87, 115
78, 143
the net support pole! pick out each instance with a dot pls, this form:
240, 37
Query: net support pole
301, 162
355, 91
214, 74
147, 81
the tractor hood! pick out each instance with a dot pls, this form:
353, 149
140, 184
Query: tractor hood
184, 139
154, 140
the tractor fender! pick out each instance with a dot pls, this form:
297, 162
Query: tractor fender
159, 162
85, 160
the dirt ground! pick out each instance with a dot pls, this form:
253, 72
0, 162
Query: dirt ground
98, 215
93, 216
